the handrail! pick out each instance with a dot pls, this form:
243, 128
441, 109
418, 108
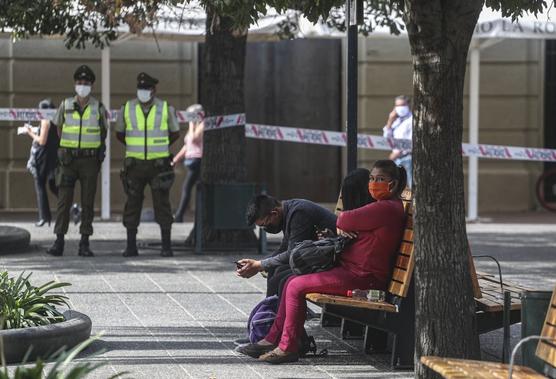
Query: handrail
499, 269
521, 342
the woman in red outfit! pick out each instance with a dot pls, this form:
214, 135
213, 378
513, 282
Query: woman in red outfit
366, 263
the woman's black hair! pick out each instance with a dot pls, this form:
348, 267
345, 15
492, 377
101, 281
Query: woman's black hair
355, 189
395, 172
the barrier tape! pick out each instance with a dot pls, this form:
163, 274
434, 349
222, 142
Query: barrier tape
311, 136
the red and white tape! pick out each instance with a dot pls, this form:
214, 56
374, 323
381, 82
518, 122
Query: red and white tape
311, 136
31, 114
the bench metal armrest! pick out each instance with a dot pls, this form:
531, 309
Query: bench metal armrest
499, 268
521, 342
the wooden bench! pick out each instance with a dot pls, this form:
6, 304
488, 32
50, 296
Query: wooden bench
396, 315
546, 351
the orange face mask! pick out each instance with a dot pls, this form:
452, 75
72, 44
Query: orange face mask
379, 190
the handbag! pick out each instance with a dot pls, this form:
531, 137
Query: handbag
310, 256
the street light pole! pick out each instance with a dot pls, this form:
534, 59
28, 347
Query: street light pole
351, 26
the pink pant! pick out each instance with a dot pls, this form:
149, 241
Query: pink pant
288, 326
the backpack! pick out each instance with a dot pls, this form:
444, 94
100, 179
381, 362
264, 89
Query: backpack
261, 318
315, 256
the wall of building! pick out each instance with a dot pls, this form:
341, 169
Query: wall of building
31, 70
510, 105
511, 108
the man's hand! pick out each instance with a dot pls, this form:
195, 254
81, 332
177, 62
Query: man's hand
249, 268
394, 154
350, 235
324, 233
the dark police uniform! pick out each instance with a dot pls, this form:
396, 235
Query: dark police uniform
147, 128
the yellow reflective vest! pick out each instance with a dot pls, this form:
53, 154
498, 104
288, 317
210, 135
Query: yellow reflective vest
146, 135
81, 130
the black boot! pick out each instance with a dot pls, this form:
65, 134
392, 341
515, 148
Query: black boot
84, 250
57, 249
131, 248
166, 243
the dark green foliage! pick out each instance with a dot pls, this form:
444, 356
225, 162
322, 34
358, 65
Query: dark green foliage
96, 21
23, 305
60, 369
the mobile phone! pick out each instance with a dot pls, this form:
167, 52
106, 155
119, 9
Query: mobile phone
238, 265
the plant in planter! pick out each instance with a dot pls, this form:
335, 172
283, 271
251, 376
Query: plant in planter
23, 305
60, 369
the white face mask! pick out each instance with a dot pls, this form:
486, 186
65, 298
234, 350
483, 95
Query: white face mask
144, 95
402, 110
82, 90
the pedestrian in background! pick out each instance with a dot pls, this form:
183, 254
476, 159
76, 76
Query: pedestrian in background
42, 162
400, 126
191, 153
82, 123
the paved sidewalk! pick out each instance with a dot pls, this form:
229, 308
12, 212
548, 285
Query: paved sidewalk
178, 317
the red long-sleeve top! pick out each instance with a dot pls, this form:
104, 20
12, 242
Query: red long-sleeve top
380, 228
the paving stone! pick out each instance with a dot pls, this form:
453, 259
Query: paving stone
178, 317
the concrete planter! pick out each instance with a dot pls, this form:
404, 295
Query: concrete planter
46, 339
13, 240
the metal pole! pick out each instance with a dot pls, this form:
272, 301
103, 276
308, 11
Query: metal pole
105, 71
351, 24
473, 168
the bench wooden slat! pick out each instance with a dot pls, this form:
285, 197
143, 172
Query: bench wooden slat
474, 280
546, 350
551, 317
458, 368
492, 299
321, 299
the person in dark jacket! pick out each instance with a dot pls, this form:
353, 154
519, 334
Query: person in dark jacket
42, 162
298, 219
377, 229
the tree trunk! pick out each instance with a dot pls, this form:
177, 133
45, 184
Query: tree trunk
439, 33
222, 93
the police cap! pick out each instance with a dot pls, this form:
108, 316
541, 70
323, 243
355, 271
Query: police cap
145, 81
84, 72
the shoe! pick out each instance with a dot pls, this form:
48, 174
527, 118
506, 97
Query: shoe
131, 247
166, 253
242, 341
41, 222
85, 251
57, 249
130, 253
278, 356
166, 243
254, 350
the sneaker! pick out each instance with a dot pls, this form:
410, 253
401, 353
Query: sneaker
254, 350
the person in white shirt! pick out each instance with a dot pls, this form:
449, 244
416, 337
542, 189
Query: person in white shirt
400, 126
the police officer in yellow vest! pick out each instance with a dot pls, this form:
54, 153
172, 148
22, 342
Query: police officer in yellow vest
147, 126
82, 126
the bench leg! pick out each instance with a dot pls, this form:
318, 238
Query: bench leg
403, 350
327, 320
351, 330
376, 341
